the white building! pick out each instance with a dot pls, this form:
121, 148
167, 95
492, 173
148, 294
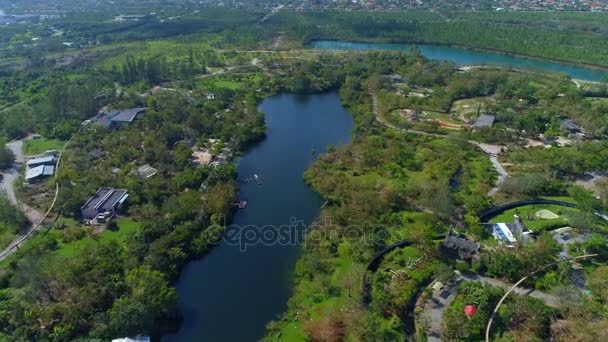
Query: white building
501, 232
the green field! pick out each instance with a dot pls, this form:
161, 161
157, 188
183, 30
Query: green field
537, 224
469, 107
442, 117
38, 146
126, 226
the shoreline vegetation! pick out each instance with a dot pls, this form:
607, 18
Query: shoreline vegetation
491, 31
592, 66
77, 282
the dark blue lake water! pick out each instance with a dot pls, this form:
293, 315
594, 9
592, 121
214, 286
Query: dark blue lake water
231, 294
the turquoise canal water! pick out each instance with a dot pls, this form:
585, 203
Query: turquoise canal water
463, 56
233, 292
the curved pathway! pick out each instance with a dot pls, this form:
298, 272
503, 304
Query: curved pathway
435, 306
489, 326
491, 150
8, 178
37, 219
485, 215
372, 267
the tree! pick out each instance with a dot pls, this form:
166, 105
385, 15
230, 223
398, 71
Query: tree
147, 307
6, 156
598, 283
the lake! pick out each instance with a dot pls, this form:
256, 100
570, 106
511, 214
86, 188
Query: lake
234, 291
463, 56
245, 282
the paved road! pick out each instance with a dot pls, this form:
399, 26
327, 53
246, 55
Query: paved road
548, 299
7, 184
9, 177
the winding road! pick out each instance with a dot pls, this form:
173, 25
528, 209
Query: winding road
10, 176
35, 217
491, 150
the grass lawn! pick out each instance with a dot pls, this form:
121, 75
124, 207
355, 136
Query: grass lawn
534, 223
6, 238
214, 83
468, 106
126, 227
442, 117
39, 146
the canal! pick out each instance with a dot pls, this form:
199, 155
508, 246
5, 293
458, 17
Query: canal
462, 56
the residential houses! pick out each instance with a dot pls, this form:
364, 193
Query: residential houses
465, 248
484, 120
40, 168
102, 206
510, 234
119, 118
213, 153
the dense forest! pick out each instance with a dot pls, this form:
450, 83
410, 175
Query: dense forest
401, 178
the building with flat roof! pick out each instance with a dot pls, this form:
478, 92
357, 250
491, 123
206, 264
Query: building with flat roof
501, 232
118, 118
50, 159
484, 120
145, 171
40, 168
103, 205
37, 173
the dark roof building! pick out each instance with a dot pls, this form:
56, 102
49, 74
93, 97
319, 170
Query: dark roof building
395, 78
103, 204
128, 115
120, 117
484, 120
569, 125
466, 248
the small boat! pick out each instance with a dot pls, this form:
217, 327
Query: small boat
242, 204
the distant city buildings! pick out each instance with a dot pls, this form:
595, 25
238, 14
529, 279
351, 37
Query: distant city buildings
395, 5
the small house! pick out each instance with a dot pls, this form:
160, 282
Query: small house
50, 159
118, 118
102, 206
38, 173
501, 232
484, 120
466, 248
145, 171
40, 168
569, 126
